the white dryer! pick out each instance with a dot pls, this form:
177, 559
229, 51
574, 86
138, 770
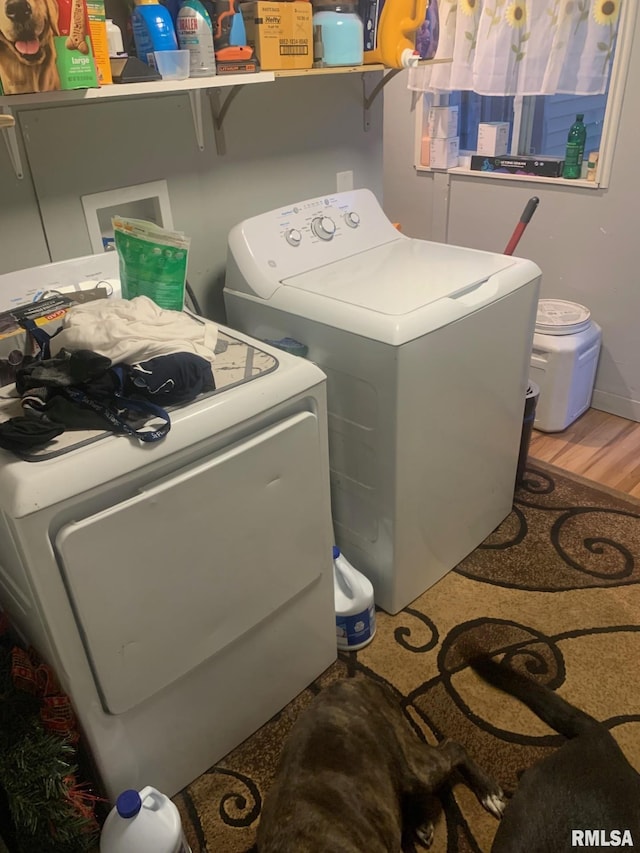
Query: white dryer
426, 348
182, 590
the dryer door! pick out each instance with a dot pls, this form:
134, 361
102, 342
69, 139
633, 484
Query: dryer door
165, 580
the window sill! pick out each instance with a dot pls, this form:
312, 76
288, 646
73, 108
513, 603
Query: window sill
534, 179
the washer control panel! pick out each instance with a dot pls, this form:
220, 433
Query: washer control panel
302, 236
317, 219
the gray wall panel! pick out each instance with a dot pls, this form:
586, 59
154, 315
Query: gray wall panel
22, 240
285, 141
585, 241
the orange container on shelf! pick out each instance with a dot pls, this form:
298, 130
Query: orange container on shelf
396, 34
99, 40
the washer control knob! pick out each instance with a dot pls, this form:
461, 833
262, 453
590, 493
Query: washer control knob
323, 227
352, 219
293, 237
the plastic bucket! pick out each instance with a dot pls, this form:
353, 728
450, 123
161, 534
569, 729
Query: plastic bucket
530, 402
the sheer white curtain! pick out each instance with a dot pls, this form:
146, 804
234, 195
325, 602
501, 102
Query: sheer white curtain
523, 47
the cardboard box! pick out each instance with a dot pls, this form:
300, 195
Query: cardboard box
493, 138
280, 33
99, 40
547, 167
17, 346
61, 61
439, 153
442, 122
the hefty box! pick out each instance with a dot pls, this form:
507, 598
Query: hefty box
546, 167
280, 33
44, 46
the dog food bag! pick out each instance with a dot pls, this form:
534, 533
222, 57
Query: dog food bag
153, 261
50, 47
74, 51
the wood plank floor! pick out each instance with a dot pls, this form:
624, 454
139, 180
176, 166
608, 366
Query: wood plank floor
599, 446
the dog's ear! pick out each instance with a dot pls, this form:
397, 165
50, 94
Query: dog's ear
53, 12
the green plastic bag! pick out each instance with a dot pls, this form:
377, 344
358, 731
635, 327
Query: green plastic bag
153, 261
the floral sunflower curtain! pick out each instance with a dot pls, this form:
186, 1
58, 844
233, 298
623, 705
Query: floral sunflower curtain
522, 47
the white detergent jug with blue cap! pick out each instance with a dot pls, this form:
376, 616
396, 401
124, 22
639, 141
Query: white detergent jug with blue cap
143, 822
355, 609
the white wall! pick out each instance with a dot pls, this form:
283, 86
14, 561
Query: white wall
285, 141
585, 241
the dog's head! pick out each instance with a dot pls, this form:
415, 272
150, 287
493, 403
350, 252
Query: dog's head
26, 27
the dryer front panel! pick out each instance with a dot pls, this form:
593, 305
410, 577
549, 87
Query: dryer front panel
163, 581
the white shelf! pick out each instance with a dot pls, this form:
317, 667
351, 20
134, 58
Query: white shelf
173, 87
534, 179
139, 90
336, 69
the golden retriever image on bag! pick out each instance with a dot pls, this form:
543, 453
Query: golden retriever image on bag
27, 49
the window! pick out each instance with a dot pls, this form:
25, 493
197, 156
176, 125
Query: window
552, 116
544, 120
539, 124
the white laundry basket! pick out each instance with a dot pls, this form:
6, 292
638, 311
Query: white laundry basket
564, 358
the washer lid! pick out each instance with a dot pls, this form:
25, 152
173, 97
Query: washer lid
400, 277
559, 317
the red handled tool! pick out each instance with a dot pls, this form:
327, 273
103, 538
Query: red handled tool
527, 213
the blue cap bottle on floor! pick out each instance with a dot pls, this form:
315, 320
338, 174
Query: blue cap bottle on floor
354, 605
143, 822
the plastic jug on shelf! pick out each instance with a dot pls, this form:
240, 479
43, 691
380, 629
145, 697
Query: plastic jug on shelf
396, 34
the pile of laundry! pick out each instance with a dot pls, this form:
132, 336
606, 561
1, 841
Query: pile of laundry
113, 365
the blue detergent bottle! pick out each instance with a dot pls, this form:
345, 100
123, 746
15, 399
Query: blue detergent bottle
152, 30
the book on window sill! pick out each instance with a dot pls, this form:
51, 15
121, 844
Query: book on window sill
545, 167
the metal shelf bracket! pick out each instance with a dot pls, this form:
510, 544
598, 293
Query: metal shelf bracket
8, 127
195, 99
219, 110
368, 97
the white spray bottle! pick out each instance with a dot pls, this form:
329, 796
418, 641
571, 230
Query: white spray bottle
195, 34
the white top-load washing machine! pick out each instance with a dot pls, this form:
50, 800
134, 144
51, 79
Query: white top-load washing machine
182, 590
426, 348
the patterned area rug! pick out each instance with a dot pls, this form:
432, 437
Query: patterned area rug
556, 587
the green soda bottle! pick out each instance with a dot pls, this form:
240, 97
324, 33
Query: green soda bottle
575, 148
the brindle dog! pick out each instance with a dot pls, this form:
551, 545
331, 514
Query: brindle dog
355, 778
586, 785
